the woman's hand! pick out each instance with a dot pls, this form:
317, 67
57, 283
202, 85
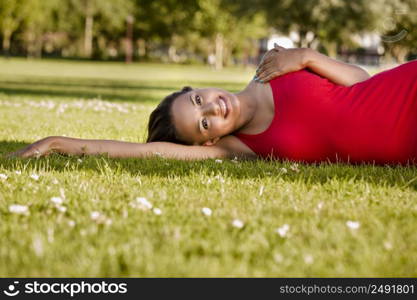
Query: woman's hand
279, 61
40, 148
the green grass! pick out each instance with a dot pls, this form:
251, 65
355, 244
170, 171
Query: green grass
113, 101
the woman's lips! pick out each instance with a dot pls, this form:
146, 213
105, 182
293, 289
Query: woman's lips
224, 107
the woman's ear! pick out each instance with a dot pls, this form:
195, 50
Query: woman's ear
211, 142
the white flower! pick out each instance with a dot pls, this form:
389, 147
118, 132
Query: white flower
388, 245
157, 211
37, 153
141, 203
100, 218
238, 223
18, 172
3, 176
57, 200
220, 178
37, 245
284, 170
95, 215
308, 259
61, 208
79, 160
278, 258
283, 230
320, 205
294, 167
55, 181
261, 190
219, 161
34, 176
71, 223
19, 209
206, 211
353, 225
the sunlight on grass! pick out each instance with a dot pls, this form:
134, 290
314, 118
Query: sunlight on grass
80, 216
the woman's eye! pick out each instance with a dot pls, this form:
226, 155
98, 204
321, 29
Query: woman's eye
198, 100
204, 123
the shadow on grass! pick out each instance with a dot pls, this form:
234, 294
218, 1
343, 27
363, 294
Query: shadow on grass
388, 175
106, 91
115, 90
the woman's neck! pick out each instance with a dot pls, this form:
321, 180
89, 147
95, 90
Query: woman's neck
249, 105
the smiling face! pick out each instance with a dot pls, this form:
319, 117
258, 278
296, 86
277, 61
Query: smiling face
203, 116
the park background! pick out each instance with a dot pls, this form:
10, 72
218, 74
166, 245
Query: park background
96, 69
222, 32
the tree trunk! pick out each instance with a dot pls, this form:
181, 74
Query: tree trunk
129, 39
6, 42
302, 39
38, 47
172, 54
219, 51
88, 35
399, 54
331, 49
30, 44
141, 44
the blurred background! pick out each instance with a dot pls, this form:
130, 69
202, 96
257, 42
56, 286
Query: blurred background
214, 32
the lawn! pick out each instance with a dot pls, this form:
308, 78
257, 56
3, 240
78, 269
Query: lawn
92, 216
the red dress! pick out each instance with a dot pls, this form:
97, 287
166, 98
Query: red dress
316, 120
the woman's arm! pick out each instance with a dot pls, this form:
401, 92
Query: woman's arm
120, 149
339, 72
280, 61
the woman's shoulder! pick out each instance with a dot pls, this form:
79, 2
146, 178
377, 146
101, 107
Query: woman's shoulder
235, 147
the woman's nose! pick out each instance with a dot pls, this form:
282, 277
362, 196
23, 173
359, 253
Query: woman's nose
211, 108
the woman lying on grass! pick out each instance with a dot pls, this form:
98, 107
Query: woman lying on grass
301, 106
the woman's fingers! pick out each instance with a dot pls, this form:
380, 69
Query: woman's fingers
18, 153
37, 149
264, 68
265, 64
267, 69
278, 47
268, 55
268, 75
26, 152
271, 53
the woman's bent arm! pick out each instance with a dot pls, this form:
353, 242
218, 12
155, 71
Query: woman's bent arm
280, 61
120, 149
336, 71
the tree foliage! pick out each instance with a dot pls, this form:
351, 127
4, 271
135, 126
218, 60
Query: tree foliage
198, 28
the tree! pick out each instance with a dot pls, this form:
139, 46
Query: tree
10, 19
228, 27
37, 20
398, 31
167, 22
329, 23
111, 13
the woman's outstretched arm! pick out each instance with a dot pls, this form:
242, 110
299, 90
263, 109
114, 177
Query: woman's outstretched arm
120, 149
279, 61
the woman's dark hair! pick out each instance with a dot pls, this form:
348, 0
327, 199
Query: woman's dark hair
160, 125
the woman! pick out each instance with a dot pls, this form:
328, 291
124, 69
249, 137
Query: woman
313, 109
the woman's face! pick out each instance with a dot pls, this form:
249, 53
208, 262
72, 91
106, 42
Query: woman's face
202, 116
